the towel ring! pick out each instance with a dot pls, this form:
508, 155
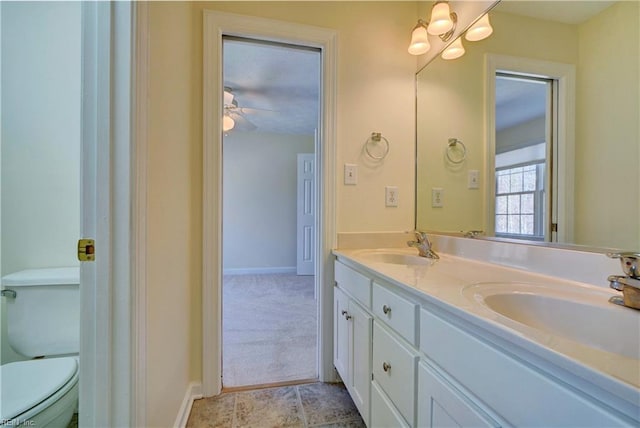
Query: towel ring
377, 147
453, 158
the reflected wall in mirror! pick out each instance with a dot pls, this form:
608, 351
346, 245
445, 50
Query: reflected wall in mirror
596, 161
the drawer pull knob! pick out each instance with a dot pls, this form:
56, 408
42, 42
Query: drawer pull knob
346, 315
344, 312
386, 309
386, 366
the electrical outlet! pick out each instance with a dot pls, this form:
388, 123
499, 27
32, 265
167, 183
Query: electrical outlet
350, 173
436, 197
473, 179
391, 196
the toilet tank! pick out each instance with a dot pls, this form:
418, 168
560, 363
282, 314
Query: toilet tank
43, 319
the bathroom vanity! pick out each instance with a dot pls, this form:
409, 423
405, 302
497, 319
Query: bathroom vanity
463, 342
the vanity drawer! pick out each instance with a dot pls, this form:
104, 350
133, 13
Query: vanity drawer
394, 369
354, 283
397, 312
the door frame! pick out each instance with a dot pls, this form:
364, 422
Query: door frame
216, 25
563, 159
113, 193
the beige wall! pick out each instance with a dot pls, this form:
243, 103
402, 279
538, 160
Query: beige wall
375, 93
607, 130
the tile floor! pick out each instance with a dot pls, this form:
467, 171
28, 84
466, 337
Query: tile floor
308, 405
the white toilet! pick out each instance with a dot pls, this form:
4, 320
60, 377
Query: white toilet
43, 320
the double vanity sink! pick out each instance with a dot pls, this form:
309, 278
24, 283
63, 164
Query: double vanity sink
566, 330
580, 314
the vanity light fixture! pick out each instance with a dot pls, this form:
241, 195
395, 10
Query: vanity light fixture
480, 30
419, 39
442, 24
441, 19
454, 50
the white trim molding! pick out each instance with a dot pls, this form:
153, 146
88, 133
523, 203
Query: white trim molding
563, 160
106, 296
217, 25
140, 91
193, 392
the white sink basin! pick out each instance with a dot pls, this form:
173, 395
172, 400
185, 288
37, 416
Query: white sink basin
396, 257
583, 316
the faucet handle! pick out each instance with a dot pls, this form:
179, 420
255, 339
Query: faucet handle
629, 262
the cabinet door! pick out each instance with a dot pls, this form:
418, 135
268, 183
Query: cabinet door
341, 334
360, 368
440, 404
383, 413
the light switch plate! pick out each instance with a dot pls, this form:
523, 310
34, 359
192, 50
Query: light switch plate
436, 197
473, 181
350, 173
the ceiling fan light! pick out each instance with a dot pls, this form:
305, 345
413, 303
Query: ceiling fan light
480, 30
227, 123
440, 19
454, 50
419, 40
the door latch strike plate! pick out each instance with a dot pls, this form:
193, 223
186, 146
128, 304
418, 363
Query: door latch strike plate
86, 250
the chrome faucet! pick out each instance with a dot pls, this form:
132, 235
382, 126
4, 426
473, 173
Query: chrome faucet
423, 245
629, 283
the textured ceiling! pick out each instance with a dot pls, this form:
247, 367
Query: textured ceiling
519, 101
276, 87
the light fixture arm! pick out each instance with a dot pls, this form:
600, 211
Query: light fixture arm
447, 36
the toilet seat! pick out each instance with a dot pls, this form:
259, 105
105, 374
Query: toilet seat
28, 386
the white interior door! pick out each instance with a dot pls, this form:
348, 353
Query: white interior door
306, 214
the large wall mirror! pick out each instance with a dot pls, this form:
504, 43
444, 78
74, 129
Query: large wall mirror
534, 134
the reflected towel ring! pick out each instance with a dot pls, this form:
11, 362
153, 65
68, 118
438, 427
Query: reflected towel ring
451, 152
377, 147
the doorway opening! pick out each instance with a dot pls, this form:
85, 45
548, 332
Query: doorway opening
271, 117
525, 126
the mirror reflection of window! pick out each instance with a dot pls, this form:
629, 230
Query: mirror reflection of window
523, 157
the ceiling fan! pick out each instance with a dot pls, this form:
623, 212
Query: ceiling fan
236, 115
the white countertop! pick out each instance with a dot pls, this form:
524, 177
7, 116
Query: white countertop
442, 283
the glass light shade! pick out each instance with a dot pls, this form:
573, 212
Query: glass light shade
227, 123
455, 50
228, 98
419, 41
480, 30
440, 19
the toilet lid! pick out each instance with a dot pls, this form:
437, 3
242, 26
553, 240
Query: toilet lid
26, 384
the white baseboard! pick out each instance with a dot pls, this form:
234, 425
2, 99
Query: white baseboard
194, 392
259, 270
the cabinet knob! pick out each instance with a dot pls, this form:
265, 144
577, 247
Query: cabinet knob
386, 366
386, 309
344, 312
347, 317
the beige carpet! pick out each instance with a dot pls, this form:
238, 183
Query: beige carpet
269, 329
